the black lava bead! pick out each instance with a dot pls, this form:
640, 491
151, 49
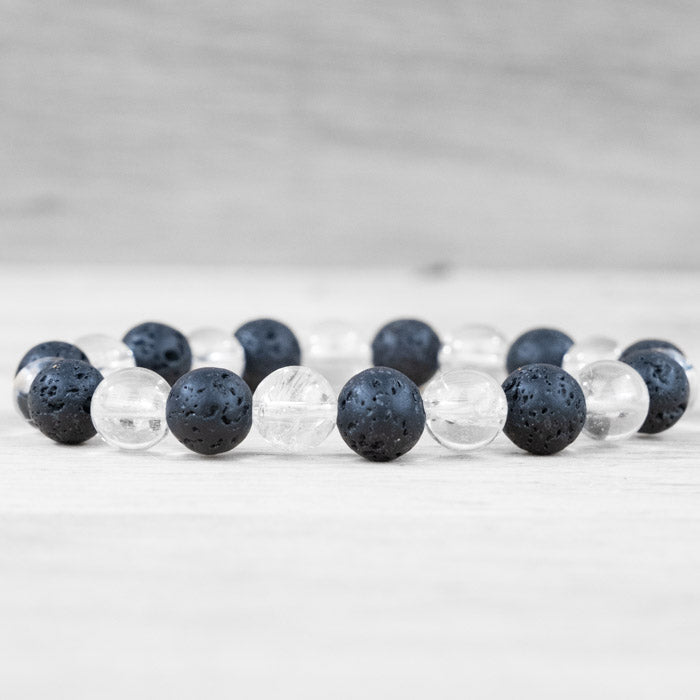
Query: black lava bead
668, 388
538, 346
52, 348
160, 348
650, 344
546, 408
268, 346
209, 410
60, 398
380, 414
409, 346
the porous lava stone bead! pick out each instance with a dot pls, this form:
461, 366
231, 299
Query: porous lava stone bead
408, 345
52, 348
160, 348
649, 344
59, 401
209, 410
668, 388
538, 346
380, 414
268, 345
546, 408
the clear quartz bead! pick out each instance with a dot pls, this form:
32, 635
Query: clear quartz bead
22, 383
214, 347
128, 408
465, 409
294, 408
105, 353
475, 346
336, 351
617, 400
589, 350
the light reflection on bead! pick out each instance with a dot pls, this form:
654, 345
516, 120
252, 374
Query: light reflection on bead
617, 400
475, 346
337, 351
294, 408
465, 409
23, 382
105, 353
214, 347
128, 408
588, 350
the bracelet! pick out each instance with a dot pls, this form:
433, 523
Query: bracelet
209, 388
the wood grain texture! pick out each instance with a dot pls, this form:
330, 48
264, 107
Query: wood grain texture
478, 132
496, 575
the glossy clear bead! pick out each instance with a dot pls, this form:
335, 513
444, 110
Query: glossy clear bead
465, 409
337, 351
128, 408
105, 353
617, 400
475, 346
588, 350
23, 382
214, 347
294, 408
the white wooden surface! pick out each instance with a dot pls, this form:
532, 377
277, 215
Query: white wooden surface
496, 575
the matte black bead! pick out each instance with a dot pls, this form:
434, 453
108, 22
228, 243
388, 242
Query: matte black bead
408, 345
160, 348
268, 345
650, 344
52, 348
60, 398
546, 408
380, 414
538, 346
668, 388
209, 410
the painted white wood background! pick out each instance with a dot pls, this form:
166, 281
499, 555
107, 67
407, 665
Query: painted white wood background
254, 574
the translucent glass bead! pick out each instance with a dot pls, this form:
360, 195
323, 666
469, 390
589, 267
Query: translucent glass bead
337, 351
213, 347
294, 408
475, 346
128, 408
617, 400
589, 350
23, 382
465, 409
105, 353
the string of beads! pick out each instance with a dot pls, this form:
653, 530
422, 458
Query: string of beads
208, 389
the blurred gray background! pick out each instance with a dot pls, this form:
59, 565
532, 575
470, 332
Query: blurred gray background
480, 133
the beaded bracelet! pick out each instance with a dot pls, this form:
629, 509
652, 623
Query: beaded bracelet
133, 392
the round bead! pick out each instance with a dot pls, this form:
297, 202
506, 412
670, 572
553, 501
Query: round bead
475, 346
209, 410
105, 353
380, 414
336, 351
538, 346
52, 348
294, 408
160, 348
59, 400
268, 345
409, 346
650, 344
617, 400
546, 408
668, 388
214, 347
23, 382
465, 409
128, 408
593, 349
